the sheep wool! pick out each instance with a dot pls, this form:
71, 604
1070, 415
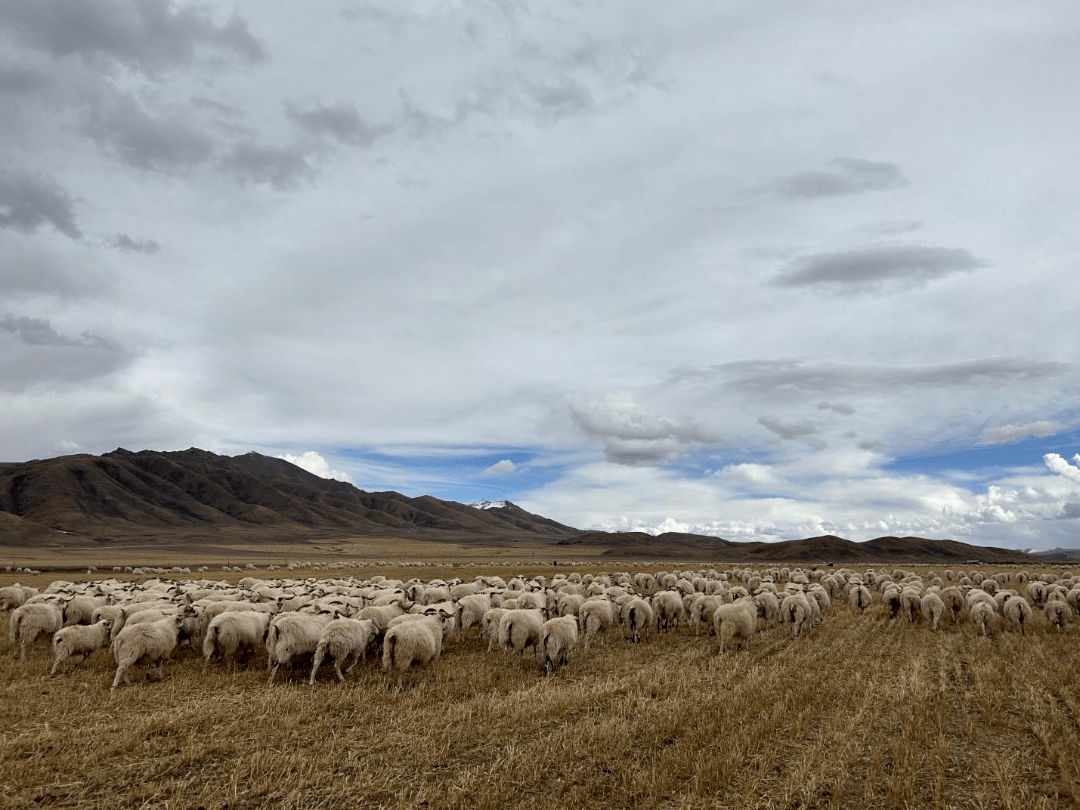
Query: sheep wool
557, 638
79, 641
1018, 611
933, 608
737, 621
234, 630
521, 628
148, 642
343, 640
413, 643
29, 622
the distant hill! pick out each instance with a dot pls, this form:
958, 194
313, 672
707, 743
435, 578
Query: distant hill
197, 496
812, 550
151, 494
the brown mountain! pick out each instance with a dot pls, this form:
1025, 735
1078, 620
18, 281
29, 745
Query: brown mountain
154, 494
812, 550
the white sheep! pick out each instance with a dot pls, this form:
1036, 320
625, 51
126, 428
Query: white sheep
292, 635
860, 598
412, 643
595, 616
768, 607
797, 611
910, 602
342, 640
489, 627
984, 615
933, 608
890, 599
29, 622
558, 637
472, 609
1018, 611
232, 631
521, 628
736, 621
146, 642
79, 641
637, 618
1058, 614
668, 607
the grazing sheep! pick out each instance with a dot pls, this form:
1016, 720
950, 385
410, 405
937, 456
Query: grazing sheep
1037, 591
1018, 611
668, 608
557, 637
637, 617
29, 622
595, 616
1058, 614
343, 639
890, 599
382, 615
796, 611
79, 641
860, 598
519, 629
984, 616
291, 636
768, 607
412, 643
472, 610
14, 596
736, 621
147, 642
234, 630
910, 602
933, 608
80, 609
954, 601
489, 628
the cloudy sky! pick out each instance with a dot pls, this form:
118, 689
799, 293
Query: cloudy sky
760, 270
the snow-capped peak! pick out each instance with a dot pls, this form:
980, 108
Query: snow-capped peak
488, 504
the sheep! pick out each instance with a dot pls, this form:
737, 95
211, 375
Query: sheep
489, 627
557, 637
472, 610
292, 635
594, 617
519, 629
1037, 591
953, 600
232, 630
668, 608
933, 608
343, 639
768, 607
890, 599
14, 596
984, 616
1058, 614
149, 642
412, 643
910, 602
79, 640
80, 609
796, 611
737, 621
381, 614
637, 617
29, 622
860, 598
703, 610
1018, 611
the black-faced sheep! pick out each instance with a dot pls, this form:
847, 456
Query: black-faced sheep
557, 637
79, 641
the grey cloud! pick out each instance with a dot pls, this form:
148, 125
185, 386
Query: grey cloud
874, 267
31, 269
633, 437
28, 201
804, 430
847, 176
145, 142
126, 244
216, 106
17, 80
146, 35
340, 121
836, 407
1070, 511
785, 377
39, 332
282, 168
32, 353
561, 99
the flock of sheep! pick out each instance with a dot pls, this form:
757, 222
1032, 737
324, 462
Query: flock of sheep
337, 620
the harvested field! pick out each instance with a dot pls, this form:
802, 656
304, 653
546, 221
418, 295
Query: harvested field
859, 712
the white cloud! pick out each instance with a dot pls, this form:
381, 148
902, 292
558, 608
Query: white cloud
316, 464
503, 467
1057, 464
1011, 433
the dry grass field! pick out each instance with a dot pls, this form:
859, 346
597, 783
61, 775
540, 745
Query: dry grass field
861, 713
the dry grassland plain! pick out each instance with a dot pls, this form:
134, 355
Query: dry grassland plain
861, 712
